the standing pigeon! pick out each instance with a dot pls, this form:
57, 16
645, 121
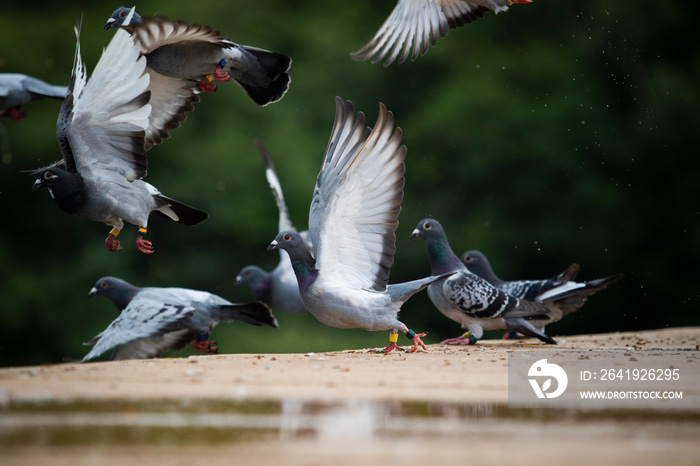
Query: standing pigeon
278, 289
353, 219
420, 22
176, 51
101, 130
154, 320
19, 89
469, 299
562, 293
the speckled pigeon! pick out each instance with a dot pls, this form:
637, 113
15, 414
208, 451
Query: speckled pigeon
179, 51
352, 220
19, 89
100, 130
153, 320
562, 293
419, 24
469, 299
278, 289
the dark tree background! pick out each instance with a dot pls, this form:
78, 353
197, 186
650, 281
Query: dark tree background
557, 132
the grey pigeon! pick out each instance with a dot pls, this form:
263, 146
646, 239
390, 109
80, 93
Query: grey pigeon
352, 220
100, 130
179, 51
19, 89
562, 293
419, 24
470, 300
154, 320
278, 289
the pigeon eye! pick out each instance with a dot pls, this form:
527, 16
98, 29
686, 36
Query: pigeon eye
427, 226
122, 14
287, 237
48, 175
246, 273
468, 258
104, 284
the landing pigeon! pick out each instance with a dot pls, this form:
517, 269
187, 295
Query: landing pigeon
154, 320
100, 130
469, 299
177, 51
419, 24
562, 293
353, 219
19, 89
278, 289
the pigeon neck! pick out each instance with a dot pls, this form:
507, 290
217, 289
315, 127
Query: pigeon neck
262, 289
70, 195
305, 269
442, 259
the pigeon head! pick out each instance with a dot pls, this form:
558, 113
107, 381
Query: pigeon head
119, 17
116, 290
303, 263
66, 188
477, 263
442, 259
257, 279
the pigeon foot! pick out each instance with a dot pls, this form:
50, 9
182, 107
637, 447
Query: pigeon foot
203, 344
112, 244
465, 339
513, 336
143, 245
221, 75
17, 113
392, 346
416, 340
207, 85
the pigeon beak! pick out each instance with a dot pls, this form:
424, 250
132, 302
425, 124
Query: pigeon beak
38, 184
92, 292
108, 26
415, 234
272, 245
238, 280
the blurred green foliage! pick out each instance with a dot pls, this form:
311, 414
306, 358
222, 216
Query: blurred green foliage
557, 132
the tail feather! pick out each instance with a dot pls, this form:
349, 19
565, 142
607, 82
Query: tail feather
274, 84
254, 313
573, 299
179, 212
526, 328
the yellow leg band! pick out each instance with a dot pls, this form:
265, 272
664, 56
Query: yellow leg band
114, 232
465, 335
209, 78
142, 231
393, 337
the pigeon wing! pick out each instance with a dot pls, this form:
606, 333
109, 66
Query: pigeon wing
146, 316
357, 199
105, 119
152, 347
416, 25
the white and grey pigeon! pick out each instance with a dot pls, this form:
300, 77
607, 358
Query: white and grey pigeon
100, 130
416, 25
17, 90
196, 55
153, 320
470, 300
352, 220
278, 289
562, 293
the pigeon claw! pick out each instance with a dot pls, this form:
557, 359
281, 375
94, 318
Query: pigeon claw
205, 346
417, 341
143, 245
112, 244
207, 85
460, 340
221, 75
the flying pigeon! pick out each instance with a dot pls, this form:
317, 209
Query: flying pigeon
562, 293
472, 301
19, 89
352, 220
100, 130
419, 24
154, 320
278, 289
177, 51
